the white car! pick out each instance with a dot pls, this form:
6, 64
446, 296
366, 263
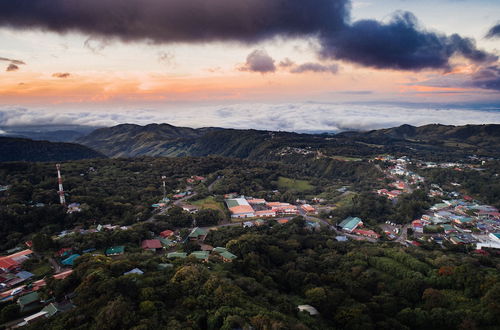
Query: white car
16, 291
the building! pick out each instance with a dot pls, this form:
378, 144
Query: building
200, 255
135, 271
180, 255
69, 261
240, 208
417, 226
190, 208
308, 309
28, 301
151, 245
197, 233
308, 208
227, 256
366, 233
349, 224
495, 237
265, 214
115, 251
166, 233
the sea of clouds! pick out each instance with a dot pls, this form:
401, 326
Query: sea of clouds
298, 117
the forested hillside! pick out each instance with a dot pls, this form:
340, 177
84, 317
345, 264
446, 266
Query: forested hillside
279, 267
16, 149
437, 141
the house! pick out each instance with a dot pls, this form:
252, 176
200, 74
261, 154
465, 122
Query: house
219, 249
74, 207
197, 233
248, 224
417, 226
115, 251
166, 242
495, 237
350, 223
463, 221
439, 206
135, 271
7, 264
308, 208
265, 214
28, 301
33, 318
200, 255
341, 238
180, 255
227, 256
54, 308
166, 233
190, 208
308, 309
70, 260
151, 245
366, 233
283, 221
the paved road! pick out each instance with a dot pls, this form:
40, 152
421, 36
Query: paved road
178, 202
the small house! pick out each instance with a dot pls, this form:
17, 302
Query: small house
151, 245
115, 251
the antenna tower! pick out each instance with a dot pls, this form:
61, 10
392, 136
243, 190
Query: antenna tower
61, 190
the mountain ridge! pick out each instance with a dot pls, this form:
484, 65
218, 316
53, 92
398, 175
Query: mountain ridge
131, 140
21, 149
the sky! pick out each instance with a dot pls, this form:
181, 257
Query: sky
265, 64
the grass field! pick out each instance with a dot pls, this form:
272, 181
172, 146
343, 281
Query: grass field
209, 203
292, 184
346, 159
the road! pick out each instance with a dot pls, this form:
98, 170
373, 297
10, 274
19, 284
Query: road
55, 265
212, 185
178, 202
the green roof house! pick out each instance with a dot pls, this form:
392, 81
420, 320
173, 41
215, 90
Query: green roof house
219, 249
197, 233
115, 250
28, 301
201, 255
227, 256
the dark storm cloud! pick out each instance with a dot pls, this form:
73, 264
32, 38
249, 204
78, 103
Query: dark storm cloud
12, 67
177, 20
259, 61
399, 44
61, 75
494, 32
315, 67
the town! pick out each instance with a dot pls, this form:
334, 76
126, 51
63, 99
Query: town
454, 219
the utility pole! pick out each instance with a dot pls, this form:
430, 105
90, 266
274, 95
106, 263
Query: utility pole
62, 200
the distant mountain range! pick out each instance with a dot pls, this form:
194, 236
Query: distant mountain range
166, 140
16, 149
129, 140
52, 133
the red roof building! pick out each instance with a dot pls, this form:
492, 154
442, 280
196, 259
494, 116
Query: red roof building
166, 233
366, 232
151, 244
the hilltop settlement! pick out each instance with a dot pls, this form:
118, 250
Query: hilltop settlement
385, 241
